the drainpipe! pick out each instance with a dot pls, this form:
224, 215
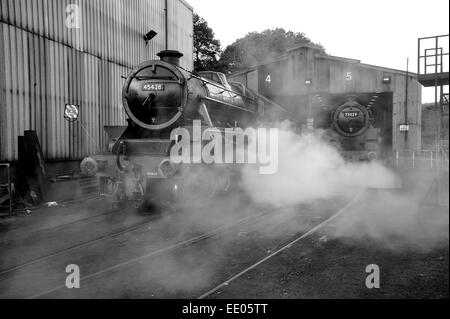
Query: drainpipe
406, 102
166, 9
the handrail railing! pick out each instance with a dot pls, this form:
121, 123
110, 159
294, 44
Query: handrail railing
432, 159
438, 53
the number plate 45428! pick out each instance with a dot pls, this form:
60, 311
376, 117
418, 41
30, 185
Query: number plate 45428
153, 87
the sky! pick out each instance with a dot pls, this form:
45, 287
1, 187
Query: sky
381, 32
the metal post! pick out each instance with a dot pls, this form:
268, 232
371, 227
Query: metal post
431, 163
438, 119
9, 189
396, 158
406, 102
418, 56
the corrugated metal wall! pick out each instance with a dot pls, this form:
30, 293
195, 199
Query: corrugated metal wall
44, 65
181, 30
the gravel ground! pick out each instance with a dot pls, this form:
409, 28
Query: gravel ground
336, 269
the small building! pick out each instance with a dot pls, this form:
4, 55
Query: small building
75, 52
311, 85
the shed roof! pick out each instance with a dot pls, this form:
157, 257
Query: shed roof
187, 5
319, 56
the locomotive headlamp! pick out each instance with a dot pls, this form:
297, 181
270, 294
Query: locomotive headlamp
167, 168
386, 79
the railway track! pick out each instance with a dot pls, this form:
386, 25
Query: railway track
254, 218
74, 247
48, 229
283, 248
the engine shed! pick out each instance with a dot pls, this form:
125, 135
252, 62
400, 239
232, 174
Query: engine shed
312, 85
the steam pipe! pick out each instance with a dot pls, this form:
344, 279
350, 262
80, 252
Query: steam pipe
119, 150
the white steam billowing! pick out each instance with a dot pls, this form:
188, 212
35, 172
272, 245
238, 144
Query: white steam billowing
310, 169
396, 221
388, 214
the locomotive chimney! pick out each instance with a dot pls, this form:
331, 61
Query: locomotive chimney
170, 56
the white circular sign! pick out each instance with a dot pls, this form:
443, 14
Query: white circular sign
71, 112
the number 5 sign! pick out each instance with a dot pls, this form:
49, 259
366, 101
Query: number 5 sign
349, 76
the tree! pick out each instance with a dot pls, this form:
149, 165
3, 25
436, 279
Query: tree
257, 47
206, 47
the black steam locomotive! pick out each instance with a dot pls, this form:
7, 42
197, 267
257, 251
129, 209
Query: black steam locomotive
359, 125
159, 96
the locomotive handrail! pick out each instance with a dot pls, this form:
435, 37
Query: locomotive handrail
192, 75
259, 96
266, 100
168, 78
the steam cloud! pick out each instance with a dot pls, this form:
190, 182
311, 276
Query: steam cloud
388, 214
395, 221
310, 169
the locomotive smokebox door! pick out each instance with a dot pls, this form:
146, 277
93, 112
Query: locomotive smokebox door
155, 93
351, 119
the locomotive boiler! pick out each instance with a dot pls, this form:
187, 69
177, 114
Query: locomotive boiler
159, 96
